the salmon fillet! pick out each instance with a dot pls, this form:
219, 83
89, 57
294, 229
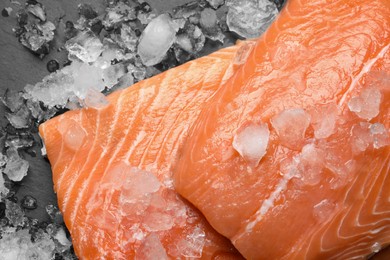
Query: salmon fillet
112, 166
290, 158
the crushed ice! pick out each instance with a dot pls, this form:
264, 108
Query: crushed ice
251, 142
367, 104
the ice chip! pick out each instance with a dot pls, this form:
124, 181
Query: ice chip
250, 18
13, 100
156, 40
158, 221
291, 125
20, 119
16, 167
361, 137
85, 46
113, 73
323, 120
366, 105
192, 245
251, 142
376, 247
208, 18
138, 184
14, 214
151, 248
310, 164
380, 135
73, 134
3, 190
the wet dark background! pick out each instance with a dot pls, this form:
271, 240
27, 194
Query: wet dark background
18, 67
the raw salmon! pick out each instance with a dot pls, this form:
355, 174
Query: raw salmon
111, 166
290, 158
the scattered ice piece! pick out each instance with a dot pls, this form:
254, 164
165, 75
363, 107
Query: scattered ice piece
216, 3
20, 119
119, 13
138, 73
3, 190
291, 125
6, 12
380, 134
361, 137
29, 202
18, 245
323, 210
323, 120
156, 40
85, 46
19, 141
184, 42
251, 142
367, 104
58, 233
250, 18
54, 214
151, 248
310, 164
16, 167
37, 10
13, 100
158, 221
14, 214
37, 37
112, 74
145, 17
208, 18
376, 247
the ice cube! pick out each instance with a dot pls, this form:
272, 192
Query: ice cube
250, 18
13, 100
156, 40
37, 10
85, 47
121, 12
16, 167
376, 247
366, 105
251, 142
208, 18
291, 125
323, 120
380, 134
151, 248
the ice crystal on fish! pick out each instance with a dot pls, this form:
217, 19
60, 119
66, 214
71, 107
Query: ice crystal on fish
367, 104
192, 245
251, 142
361, 137
139, 184
291, 125
73, 134
156, 39
151, 248
250, 19
158, 221
323, 120
310, 164
380, 135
